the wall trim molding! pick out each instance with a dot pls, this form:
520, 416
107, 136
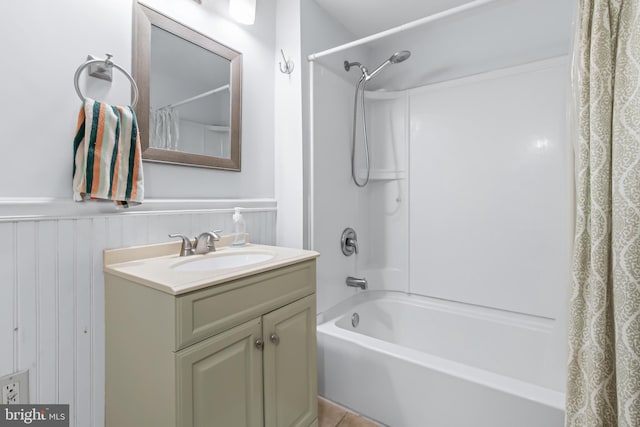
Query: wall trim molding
45, 208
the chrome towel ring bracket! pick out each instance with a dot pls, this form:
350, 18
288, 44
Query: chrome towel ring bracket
107, 64
101, 71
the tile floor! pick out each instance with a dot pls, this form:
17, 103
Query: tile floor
330, 415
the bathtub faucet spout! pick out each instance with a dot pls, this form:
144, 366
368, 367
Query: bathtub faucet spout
355, 282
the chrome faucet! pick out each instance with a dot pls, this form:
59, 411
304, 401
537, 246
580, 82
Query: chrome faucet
187, 247
204, 243
355, 282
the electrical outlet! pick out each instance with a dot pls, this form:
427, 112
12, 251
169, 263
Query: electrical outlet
11, 394
15, 388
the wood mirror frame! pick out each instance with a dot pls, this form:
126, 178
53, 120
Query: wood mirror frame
144, 19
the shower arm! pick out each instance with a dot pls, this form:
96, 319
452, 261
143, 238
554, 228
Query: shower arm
377, 70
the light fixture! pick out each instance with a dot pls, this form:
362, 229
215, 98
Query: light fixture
542, 143
243, 11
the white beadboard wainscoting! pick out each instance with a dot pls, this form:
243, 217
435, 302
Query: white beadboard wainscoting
52, 290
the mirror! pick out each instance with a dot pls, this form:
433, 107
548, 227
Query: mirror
190, 94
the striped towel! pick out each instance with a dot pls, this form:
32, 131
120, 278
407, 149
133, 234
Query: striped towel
107, 155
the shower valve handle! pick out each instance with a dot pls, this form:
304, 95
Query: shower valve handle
349, 241
352, 243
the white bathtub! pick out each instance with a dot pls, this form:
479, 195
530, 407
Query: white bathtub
418, 362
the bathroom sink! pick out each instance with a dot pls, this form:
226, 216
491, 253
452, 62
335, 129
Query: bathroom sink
220, 261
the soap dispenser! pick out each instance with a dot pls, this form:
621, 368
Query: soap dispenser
239, 229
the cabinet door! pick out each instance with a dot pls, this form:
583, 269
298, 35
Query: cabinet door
290, 378
219, 380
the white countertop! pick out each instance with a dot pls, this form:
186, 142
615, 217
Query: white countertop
153, 265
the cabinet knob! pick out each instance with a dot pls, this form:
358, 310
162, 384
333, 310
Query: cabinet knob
259, 344
275, 339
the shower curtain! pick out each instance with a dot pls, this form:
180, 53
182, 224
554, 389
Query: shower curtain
604, 320
165, 128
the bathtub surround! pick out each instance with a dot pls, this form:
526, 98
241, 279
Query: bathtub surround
435, 223
490, 211
604, 344
454, 173
468, 205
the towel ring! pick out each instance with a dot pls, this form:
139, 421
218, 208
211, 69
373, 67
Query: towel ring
108, 63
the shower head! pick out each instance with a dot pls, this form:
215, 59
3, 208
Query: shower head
394, 59
397, 57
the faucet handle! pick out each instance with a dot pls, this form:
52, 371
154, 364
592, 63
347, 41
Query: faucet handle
187, 247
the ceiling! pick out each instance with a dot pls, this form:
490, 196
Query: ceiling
366, 17
495, 35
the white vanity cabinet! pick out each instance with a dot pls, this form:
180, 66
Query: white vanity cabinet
234, 354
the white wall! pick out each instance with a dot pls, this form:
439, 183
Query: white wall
302, 28
51, 299
288, 132
257, 44
319, 31
44, 44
